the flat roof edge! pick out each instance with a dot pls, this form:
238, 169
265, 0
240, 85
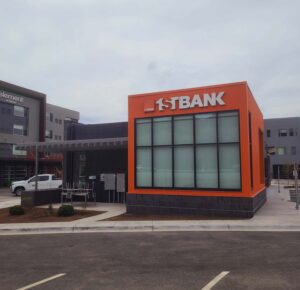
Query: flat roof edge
21, 90
189, 89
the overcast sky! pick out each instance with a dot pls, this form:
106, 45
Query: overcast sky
89, 55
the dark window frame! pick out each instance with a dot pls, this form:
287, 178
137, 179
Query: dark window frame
194, 144
282, 134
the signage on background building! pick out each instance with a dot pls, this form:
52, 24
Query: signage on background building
185, 102
11, 98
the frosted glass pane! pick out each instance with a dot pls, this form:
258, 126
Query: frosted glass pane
143, 167
184, 166
143, 132
228, 127
229, 158
183, 130
162, 131
205, 128
162, 157
207, 166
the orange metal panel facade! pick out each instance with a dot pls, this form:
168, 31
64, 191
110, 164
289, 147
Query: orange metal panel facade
232, 97
237, 96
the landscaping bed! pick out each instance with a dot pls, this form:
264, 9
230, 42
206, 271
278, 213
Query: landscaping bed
156, 217
37, 215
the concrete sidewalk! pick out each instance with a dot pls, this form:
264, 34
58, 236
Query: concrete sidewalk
278, 214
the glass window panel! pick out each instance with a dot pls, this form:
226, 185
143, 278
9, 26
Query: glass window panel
205, 128
184, 166
143, 167
162, 131
281, 150
19, 111
143, 132
43, 178
18, 130
228, 127
183, 130
207, 166
229, 158
162, 158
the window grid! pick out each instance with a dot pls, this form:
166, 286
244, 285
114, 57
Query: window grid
194, 144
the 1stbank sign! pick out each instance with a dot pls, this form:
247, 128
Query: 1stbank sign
185, 102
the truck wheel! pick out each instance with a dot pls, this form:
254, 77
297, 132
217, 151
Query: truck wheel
19, 191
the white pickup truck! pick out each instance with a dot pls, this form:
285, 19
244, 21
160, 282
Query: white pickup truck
45, 181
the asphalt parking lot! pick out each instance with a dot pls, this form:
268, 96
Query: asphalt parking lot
183, 260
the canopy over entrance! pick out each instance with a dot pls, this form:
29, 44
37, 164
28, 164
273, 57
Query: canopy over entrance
75, 145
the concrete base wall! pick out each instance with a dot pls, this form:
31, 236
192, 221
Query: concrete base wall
40, 197
195, 205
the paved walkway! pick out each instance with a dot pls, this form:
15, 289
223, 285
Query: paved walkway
7, 199
278, 214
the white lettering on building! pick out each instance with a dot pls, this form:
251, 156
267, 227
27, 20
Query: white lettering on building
11, 98
186, 102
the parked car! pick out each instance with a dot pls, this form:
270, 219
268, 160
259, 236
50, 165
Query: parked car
45, 181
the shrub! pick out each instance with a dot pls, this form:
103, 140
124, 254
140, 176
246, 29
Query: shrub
16, 210
66, 210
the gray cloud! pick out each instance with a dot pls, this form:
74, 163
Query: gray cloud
89, 55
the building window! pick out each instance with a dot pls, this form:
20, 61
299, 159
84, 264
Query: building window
49, 134
251, 149
56, 120
206, 151
162, 152
60, 121
261, 155
183, 152
291, 132
19, 111
281, 150
19, 130
293, 150
282, 132
51, 117
189, 151
144, 153
268, 133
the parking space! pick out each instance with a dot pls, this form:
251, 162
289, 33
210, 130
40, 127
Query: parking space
186, 260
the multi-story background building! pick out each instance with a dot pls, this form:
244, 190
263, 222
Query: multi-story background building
284, 135
55, 117
24, 118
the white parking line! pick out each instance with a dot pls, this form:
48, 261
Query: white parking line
42, 281
214, 281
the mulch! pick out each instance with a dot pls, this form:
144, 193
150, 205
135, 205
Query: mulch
163, 217
37, 215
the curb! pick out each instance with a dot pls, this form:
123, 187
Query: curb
147, 228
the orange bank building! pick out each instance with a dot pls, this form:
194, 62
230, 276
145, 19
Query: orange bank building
191, 151
196, 151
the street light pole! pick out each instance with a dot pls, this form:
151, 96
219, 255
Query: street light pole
36, 167
296, 185
278, 177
